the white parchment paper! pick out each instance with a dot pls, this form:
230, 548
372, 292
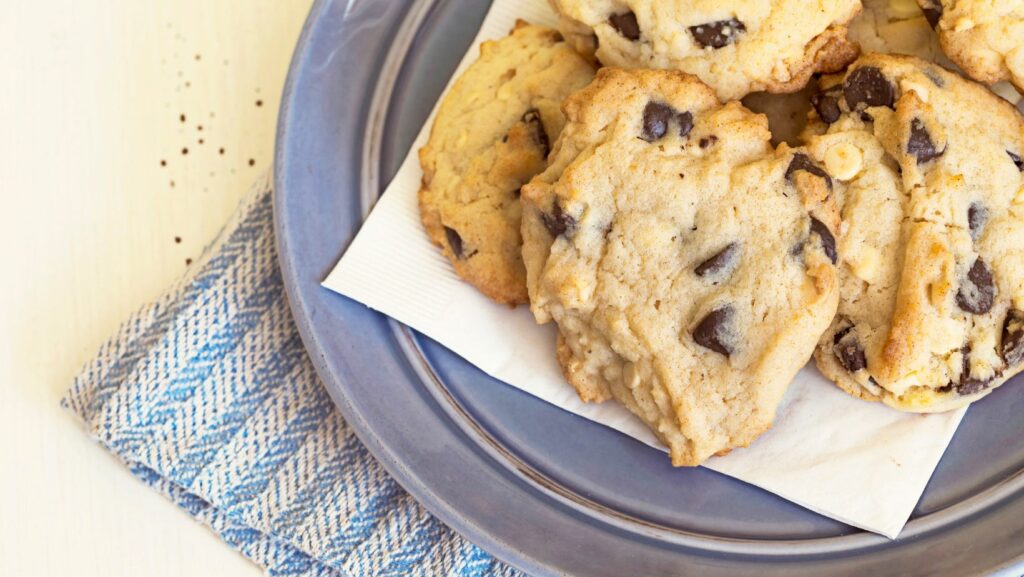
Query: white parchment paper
860, 463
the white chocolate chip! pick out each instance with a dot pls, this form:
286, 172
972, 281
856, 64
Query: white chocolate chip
844, 161
916, 87
954, 364
937, 292
864, 263
630, 378
963, 24
984, 358
505, 91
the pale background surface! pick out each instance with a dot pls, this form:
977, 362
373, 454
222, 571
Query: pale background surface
90, 107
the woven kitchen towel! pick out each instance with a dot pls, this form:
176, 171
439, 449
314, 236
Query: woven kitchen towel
208, 396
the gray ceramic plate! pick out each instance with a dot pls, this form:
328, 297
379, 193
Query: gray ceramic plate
544, 490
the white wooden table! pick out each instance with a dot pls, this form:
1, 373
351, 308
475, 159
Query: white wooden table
102, 207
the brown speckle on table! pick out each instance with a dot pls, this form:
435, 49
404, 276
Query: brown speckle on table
177, 240
182, 118
259, 103
188, 261
163, 162
252, 162
199, 57
172, 184
221, 151
201, 141
184, 151
199, 128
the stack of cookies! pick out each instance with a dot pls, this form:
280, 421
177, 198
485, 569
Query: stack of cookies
606, 174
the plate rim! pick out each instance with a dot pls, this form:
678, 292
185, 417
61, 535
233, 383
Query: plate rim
448, 514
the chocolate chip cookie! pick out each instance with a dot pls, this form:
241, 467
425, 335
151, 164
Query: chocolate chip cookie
983, 37
736, 47
927, 168
492, 133
688, 265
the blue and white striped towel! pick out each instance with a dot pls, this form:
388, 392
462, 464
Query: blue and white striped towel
208, 396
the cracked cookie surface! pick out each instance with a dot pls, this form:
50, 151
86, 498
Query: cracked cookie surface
492, 133
984, 37
735, 46
688, 265
928, 177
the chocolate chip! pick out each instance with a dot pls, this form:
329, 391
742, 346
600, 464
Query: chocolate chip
868, 86
797, 249
803, 162
707, 141
559, 223
1013, 338
934, 76
717, 34
715, 331
933, 12
969, 385
978, 290
725, 259
827, 105
454, 241
865, 117
840, 334
539, 136
1016, 160
685, 120
848, 351
626, 25
977, 216
828, 242
656, 119
920, 143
